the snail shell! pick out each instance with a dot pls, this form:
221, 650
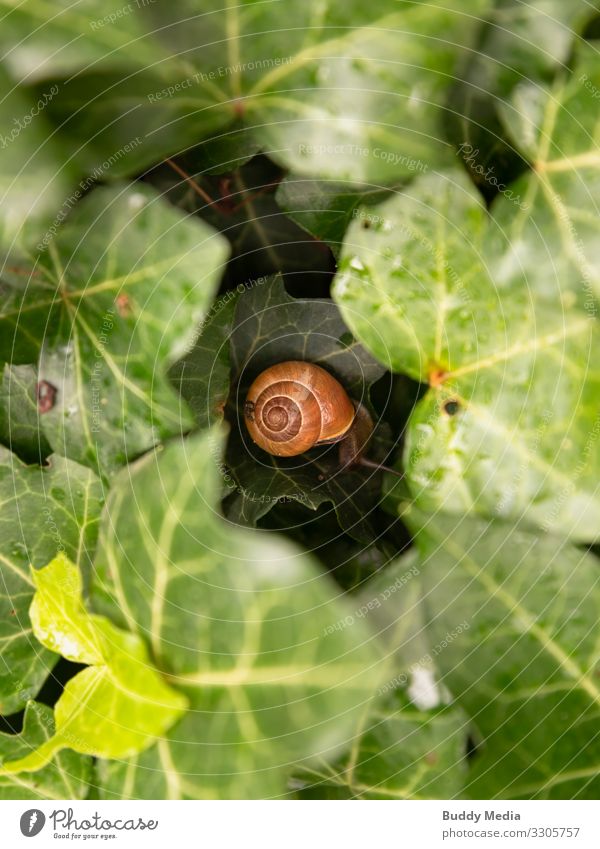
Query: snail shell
293, 406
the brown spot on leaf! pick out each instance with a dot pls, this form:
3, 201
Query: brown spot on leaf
123, 303
437, 376
431, 758
46, 396
13, 612
26, 272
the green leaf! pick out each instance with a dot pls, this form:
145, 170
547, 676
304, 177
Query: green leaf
271, 327
553, 244
391, 604
526, 668
520, 42
410, 743
20, 425
45, 510
35, 176
41, 41
115, 707
401, 752
324, 209
264, 241
237, 621
202, 375
66, 777
120, 293
348, 561
226, 152
509, 426
276, 70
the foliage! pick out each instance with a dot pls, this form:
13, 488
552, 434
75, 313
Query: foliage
404, 193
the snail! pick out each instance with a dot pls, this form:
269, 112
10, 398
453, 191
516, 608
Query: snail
294, 406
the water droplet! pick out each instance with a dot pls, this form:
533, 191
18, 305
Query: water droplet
137, 201
18, 549
323, 73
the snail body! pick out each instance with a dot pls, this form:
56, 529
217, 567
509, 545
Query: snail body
294, 406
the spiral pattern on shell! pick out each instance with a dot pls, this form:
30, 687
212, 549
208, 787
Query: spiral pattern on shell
293, 406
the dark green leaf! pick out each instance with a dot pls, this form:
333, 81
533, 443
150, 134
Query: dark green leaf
324, 209
202, 376
271, 327
242, 206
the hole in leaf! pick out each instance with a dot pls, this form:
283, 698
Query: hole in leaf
451, 408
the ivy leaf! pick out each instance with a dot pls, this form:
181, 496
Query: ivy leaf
34, 175
115, 707
268, 686
226, 152
509, 426
20, 425
274, 71
44, 510
324, 209
271, 327
202, 375
391, 604
401, 753
352, 564
410, 743
122, 289
530, 682
520, 42
66, 777
553, 243
40, 42
264, 241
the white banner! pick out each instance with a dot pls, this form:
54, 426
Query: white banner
300, 825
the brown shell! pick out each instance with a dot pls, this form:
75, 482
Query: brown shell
294, 406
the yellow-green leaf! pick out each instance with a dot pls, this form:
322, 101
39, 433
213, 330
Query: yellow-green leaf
117, 706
